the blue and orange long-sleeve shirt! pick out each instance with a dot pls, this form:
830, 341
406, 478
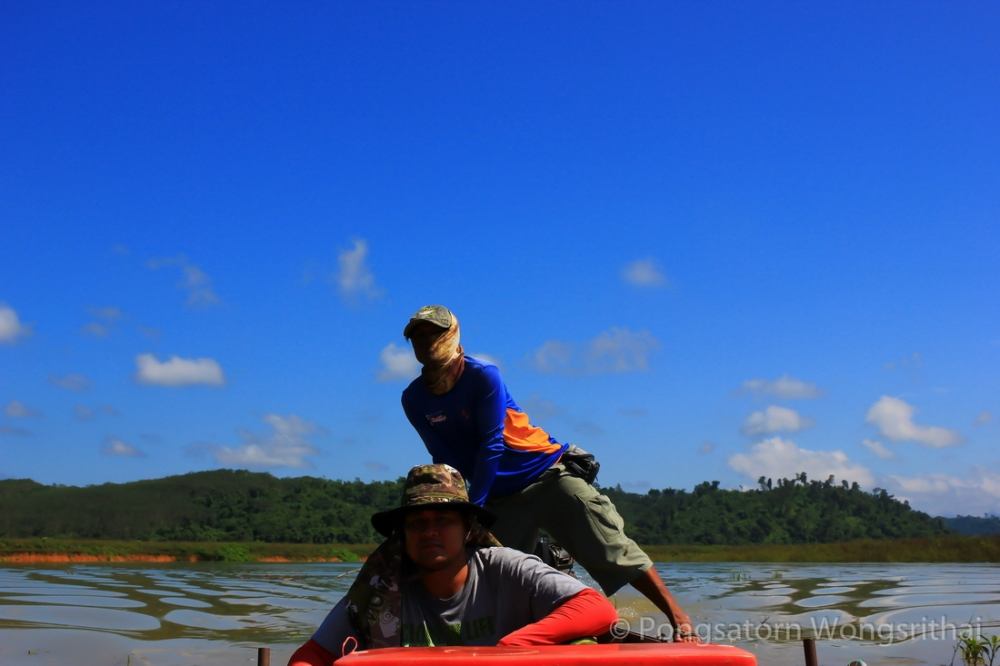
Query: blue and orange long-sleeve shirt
478, 429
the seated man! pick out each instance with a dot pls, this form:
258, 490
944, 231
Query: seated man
439, 580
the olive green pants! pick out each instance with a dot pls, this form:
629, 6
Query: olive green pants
579, 518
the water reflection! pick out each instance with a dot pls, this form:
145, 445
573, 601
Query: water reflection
215, 614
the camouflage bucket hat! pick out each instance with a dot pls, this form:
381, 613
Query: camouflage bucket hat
438, 315
431, 487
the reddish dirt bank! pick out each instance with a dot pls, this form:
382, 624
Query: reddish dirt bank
34, 558
75, 558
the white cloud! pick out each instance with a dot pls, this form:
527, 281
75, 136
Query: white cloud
85, 413
553, 356
620, 350
16, 409
975, 493
178, 371
96, 329
878, 448
933, 484
615, 351
198, 285
117, 447
587, 428
777, 457
11, 327
914, 361
774, 419
286, 445
894, 419
398, 362
354, 278
107, 313
984, 417
634, 412
194, 281
786, 387
106, 317
541, 409
487, 358
71, 382
643, 273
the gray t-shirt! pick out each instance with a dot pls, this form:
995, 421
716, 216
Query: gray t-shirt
505, 591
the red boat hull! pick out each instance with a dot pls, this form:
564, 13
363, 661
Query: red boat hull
625, 654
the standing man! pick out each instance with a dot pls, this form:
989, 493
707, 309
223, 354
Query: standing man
463, 412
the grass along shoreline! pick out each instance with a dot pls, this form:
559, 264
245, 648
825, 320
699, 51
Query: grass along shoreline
45, 549
936, 549
951, 548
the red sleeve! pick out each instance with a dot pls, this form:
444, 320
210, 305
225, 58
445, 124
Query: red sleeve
587, 613
311, 654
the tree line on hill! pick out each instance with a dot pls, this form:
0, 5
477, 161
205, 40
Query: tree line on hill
796, 510
974, 525
237, 505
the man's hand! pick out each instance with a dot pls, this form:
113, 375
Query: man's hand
684, 631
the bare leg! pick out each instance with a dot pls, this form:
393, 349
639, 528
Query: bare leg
653, 588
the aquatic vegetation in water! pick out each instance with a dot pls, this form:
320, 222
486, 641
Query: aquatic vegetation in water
978, 650
739, 576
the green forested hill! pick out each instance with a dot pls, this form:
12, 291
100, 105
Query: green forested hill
235, 505
790, 511
221, 505
974, 525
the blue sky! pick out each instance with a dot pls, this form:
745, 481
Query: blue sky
703, 240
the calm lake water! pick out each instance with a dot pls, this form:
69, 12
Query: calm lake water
212, 614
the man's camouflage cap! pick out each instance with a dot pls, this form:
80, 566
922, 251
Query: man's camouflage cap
431, 487
438, 315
